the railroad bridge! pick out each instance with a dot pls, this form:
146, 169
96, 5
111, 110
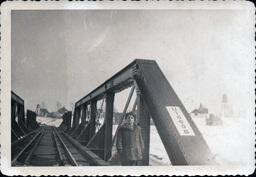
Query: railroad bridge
77, 142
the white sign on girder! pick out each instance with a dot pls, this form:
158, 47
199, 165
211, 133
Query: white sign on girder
180, 121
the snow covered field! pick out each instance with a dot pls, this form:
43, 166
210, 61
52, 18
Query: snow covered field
231, 143
49, 121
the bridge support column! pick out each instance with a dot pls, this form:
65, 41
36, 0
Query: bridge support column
69, 116
21, 115
31, 120
21, 118
17, 124
76, 118
83, 135
83, 117
108, 125
67, 120
144, 122
73, 120
93, 118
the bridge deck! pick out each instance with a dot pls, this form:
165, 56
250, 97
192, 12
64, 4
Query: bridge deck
46, 151
40, 149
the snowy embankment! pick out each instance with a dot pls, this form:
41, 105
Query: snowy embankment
49, 121
230, 142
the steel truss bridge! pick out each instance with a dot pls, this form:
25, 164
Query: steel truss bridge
80, 144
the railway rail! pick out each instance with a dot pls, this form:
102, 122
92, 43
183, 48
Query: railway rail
52, 147
68, 154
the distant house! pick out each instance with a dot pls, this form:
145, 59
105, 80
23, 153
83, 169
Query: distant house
213, 120
55, 115
200, 111
62, 110
59, 113
43, 112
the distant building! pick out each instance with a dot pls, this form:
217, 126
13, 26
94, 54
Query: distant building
59, 113
37, 109
226, 109
62, 110
213, 120
43, 112
201, 111
55, 115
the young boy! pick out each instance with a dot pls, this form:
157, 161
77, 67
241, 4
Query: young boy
129, 143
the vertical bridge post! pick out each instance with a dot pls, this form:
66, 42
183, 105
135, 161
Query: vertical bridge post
143, 117
108, 125
67, 120
77, 118
83, 117
21, 117
69, 116
93, 118
74, 120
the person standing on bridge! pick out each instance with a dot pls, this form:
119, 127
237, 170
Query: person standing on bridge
129, 144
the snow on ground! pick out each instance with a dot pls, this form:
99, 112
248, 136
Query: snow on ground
158, 155
231, 142
49, 121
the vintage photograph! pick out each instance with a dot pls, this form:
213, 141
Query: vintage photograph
131, 87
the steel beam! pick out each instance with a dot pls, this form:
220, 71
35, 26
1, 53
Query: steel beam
76, 118
83, 116
17, 98
21, 118
73, 120
67, 119
121, 79
12, 110
108, 125
94, 159
143, 117
93, 118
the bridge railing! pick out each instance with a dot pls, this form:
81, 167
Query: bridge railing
20, 126
156, 99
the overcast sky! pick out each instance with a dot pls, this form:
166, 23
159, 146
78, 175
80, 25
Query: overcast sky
62, 55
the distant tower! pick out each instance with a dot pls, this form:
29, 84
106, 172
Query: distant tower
201, 106
226, 110
37, 109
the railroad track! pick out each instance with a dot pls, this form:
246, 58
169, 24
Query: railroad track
49, 147
23, 149
68, 154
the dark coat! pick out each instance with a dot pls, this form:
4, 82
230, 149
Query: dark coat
129, 143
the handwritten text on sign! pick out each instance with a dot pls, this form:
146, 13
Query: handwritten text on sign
180, 121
